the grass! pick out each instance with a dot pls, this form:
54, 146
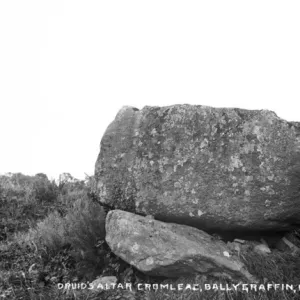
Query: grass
56, 243
62, 240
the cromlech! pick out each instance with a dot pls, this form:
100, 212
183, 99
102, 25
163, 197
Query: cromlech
217, 169
186, 202
187, 185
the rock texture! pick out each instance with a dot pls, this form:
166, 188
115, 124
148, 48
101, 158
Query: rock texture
168, 249
212, 168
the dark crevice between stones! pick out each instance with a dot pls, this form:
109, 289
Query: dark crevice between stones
228, 235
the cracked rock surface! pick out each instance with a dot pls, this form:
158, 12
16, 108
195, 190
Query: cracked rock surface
171, 250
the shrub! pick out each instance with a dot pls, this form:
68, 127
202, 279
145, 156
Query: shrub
48, 235
86, 224
67, 243
82, 227
24, 201
65, 201
44, 190
52, 232
86, 232
91, 186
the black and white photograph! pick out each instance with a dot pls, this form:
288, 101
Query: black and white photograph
149, 150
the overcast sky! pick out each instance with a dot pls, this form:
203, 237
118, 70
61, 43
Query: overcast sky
67, 67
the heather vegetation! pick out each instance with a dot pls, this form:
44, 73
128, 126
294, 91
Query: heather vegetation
50, 232
54, 232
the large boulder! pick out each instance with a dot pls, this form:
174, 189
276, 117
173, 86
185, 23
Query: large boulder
212, 168
168, 249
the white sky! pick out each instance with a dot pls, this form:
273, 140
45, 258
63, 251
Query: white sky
67, 67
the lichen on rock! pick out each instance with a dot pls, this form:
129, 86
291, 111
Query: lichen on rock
172, 162
170, 250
